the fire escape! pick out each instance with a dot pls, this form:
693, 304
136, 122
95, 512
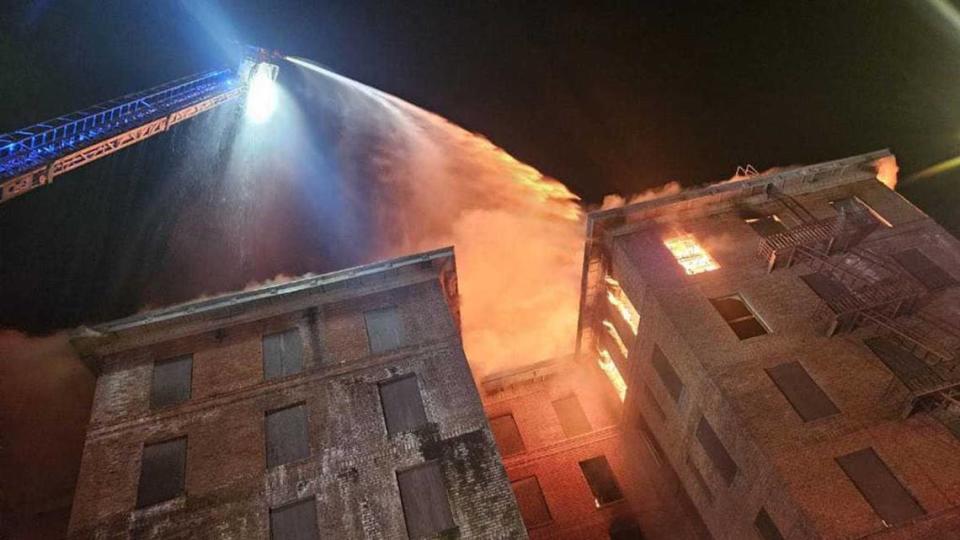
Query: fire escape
862, 288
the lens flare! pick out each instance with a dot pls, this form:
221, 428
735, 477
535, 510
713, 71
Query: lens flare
261, 97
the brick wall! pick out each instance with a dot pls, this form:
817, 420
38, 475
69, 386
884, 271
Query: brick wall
352, 464
786, 466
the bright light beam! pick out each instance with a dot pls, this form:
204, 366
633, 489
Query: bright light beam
261, 97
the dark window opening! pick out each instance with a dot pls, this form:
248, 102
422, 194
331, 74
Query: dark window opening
855, 206
296, 521
715, 450
807, 398
766, 225
423, 495
572, 418
602, 483
507, 435
162, 471
667, 375
402, 405
625, 529
533, 507
287, 435
738, 315
881, 489
282, 354
385, 330
766, 527
170, 383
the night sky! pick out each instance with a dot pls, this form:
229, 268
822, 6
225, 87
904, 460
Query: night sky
606, 98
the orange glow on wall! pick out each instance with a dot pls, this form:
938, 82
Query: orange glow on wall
610, 369
690, 254
618, 299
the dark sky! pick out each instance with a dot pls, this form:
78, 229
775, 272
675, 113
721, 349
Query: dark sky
605, 97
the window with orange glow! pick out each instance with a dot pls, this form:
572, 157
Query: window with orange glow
690, 254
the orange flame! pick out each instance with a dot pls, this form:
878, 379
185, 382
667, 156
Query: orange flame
618, 299
691, 255
887, 170
612, 373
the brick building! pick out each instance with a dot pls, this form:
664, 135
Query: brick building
790, 342
336, 406
568, 458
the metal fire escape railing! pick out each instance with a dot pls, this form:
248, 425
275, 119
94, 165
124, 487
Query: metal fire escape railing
33, 156
859, 287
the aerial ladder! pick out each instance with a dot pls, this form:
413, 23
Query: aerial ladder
34, 156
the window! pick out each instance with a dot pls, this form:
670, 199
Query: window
572, 419
656, 452
600, 478
384, 329
716, 451
402, 405
801, 391
924, 270
287, 435
162, 471
739, 316
766, 527
648, 393
171, 381
766, 225
889, 499
855, 205
625, 529
533, 507
282, 354
667, 375
426, 508
690, 254
295, 521
507, 435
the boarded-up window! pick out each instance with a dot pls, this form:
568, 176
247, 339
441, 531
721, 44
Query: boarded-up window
716, 451
287, 438
506, 434
667, 375
402, 405
924, 270
802, 391
766, 225
600, 478
426, 508
889, 499
162, 471
171, 381
296, 521
282, 354
572, 418
766, 527
738, 315
384, 329
533, 507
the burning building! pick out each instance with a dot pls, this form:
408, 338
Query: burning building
336, 406
788, 343
770, 357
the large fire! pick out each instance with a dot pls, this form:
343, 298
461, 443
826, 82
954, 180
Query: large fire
610, 369
690, 254
618, 299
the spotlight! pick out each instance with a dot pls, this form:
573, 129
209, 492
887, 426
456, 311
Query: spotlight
261, 93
